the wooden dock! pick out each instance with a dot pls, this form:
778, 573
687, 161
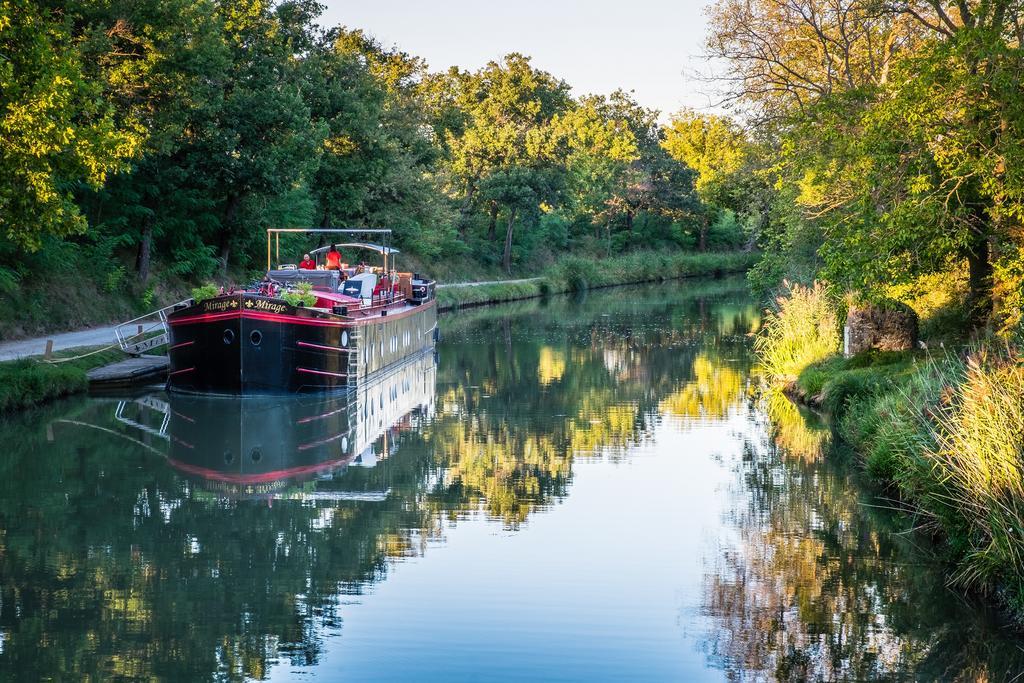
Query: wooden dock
129, 372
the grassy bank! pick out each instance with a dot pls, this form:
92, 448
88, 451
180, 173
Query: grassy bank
30, 382
941, 432
581, 273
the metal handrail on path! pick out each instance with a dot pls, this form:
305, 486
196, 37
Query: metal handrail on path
133, 335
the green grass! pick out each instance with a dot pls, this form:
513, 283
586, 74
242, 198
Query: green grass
833, 382
30, 382
977, 458
455, 297
577, 273
803, 329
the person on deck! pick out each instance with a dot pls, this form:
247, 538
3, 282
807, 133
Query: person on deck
382, 287
333, 260
307, 263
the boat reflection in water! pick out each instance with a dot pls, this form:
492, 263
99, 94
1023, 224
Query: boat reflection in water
265, 446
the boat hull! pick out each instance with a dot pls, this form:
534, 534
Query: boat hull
245, 344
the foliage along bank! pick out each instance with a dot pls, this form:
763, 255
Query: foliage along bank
941, 431
30, 382
575, 274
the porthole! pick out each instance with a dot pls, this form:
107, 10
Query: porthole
256, 337
256, 454
344, 444
344, 338
228, 457
229, 336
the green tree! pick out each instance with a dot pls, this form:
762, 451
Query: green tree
505, 102
154, 199
654, 187
596, 150
377, 163
520, 190
899, 124
58, 125
259, 141
715, 148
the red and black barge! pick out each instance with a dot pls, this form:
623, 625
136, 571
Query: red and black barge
259, 340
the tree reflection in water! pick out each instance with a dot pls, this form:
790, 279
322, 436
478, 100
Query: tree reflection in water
820, 581
229, 538
215, 540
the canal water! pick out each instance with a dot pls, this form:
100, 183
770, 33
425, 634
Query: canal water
580, 489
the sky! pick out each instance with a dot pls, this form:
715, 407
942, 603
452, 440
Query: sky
652, 47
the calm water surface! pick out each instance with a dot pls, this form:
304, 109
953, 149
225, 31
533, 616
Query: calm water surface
577, 490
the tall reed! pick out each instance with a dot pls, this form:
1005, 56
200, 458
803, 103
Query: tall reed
802, 329
978, 461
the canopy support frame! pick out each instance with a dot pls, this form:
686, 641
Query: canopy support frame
276, 232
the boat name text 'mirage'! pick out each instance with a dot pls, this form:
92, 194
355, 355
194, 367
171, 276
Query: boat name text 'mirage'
221, 305
264, 305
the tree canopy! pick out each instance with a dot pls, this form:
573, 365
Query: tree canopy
894, 129
166, 137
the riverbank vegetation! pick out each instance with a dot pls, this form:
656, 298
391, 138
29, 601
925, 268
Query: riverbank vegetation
889, 139
942, 431
30, 382
147, 147
579, 273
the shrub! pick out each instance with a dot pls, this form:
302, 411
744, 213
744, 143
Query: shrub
726, 231
803, 329
856, 384
578, 273
837, 379
301, 295
115, 277
28, 382
204, 292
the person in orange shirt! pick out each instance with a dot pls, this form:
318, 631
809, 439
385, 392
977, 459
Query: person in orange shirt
307, 263
333, 261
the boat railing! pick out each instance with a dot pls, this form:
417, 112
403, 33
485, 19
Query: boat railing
147, 332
